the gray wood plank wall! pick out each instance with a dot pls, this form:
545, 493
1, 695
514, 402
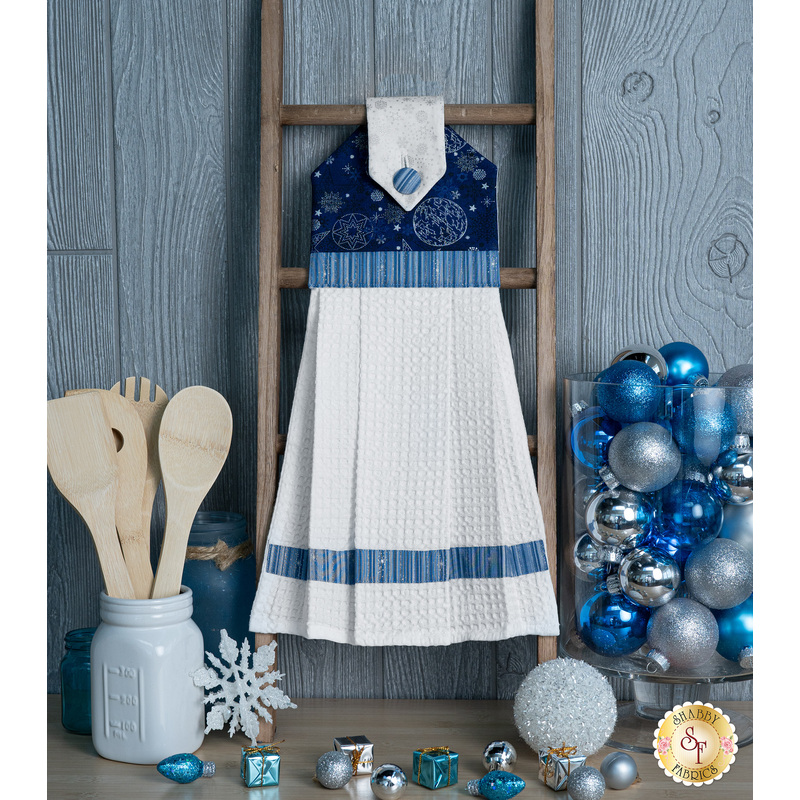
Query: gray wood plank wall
153, 219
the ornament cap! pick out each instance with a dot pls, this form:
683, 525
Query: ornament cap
699, 381
613, 584
741, 443
657, 662
695, 475
473, 787
577, 408
209, 769
613, 555
608, 477
746, 658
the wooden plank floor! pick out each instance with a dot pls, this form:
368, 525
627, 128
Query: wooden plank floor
396, 727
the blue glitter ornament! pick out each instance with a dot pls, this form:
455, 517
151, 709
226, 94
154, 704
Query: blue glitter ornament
591, 433
691, 516
704, 425
496, 785
628, 391
185, 768
686, 364
612, 625
736, 633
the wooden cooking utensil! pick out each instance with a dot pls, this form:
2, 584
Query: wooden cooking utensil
82, 461
129, 435
149, 412
193, 443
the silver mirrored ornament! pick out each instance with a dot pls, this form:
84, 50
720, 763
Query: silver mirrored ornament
643, 457
619, 770
589, 558
740, 382
388, 781
681, 634
499, 755
647, 355
649, 576
617, 520
737, 524
586, 783
334, 769
720, 574
731, 475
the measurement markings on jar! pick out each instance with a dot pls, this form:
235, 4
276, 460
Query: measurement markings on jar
122, 687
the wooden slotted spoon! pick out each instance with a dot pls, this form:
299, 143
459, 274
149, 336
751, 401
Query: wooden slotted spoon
150, 412
82, 461
193, 443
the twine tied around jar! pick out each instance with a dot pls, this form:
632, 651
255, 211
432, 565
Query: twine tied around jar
438, 750
222, 555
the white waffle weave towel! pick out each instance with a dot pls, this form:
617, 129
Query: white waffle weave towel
407, 511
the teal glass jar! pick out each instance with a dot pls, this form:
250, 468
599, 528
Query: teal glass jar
76, 709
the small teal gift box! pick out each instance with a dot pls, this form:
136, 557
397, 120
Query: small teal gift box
435, 767
261, 765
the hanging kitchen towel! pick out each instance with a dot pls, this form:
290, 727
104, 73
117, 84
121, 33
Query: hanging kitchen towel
407, 511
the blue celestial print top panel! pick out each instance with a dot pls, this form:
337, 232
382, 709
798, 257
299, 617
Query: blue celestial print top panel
352, 214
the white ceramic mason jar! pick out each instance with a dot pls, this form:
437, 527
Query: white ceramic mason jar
145, 705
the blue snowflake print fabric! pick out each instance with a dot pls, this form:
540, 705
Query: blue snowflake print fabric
362, 238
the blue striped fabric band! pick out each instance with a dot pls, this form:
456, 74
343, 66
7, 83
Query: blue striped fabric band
405, 269
406, 566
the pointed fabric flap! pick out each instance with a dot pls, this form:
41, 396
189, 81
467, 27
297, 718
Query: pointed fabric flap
406, 146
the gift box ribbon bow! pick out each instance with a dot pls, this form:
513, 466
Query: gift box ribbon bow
560, 752
435, 751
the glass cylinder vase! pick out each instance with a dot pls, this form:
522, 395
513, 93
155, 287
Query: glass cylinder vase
655, 476
76, 712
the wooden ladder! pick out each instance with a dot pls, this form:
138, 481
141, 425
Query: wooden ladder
273, 277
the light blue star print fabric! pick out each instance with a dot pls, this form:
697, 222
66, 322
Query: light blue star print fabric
362, 238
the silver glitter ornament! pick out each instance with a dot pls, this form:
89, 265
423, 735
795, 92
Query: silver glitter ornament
720, 574
731, 475
589, 558
682, 634
737, 525
334, 769
648, 576
619, 770
388, 781
740, 381
565, 700
499, 755
586, 783
644, 457
617, 520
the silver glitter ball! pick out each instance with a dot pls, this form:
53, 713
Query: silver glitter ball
649, 577
388, 781
644, 457
737, 525
619, 770
618, 518
588, 557
586, 783
499, 755
682, 634
334, 769
720, 574
740, 381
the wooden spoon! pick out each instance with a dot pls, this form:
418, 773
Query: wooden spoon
132, 460
82, 461
193, 443
150, 412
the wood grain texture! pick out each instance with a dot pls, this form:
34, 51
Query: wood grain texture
472, 114
81, 351
79, 199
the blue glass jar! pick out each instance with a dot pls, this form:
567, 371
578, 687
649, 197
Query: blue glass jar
220, 569
76, 709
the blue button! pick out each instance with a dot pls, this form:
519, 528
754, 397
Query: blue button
406, 180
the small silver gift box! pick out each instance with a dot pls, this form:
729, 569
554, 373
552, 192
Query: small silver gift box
556, 764
359, 748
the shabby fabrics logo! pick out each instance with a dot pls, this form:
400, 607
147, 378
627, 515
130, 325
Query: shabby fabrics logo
695, 744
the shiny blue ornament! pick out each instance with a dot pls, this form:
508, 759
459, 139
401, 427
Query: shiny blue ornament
185, 768
691, 516
591, 433
496, 785
685, 362
704, 425
612, 625
735, 629
629, 391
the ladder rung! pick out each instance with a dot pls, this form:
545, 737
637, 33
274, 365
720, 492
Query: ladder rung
280, 444
475, 114
510, 278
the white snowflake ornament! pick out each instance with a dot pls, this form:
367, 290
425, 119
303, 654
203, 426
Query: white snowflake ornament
244, 693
